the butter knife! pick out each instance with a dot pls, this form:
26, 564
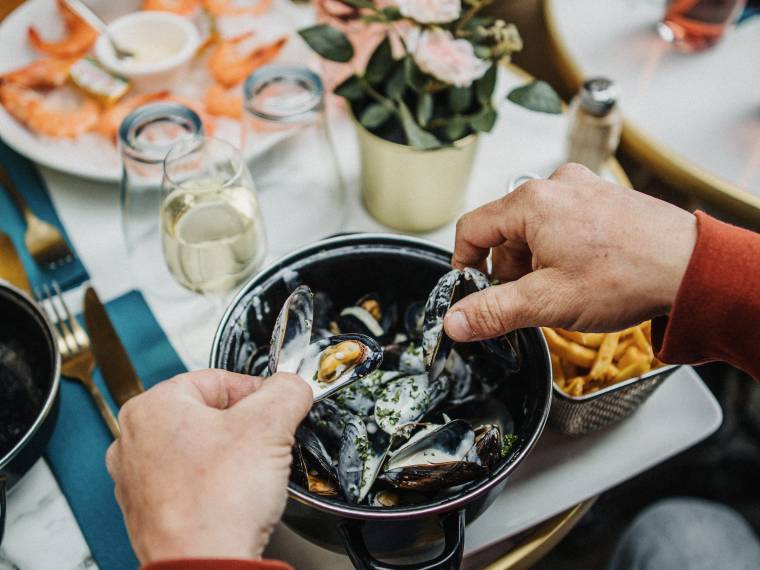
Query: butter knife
112, 359
11, 268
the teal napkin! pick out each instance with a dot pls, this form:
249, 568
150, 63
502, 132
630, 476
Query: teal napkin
76, 451
29, 182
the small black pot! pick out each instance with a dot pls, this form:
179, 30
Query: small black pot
404, 269
24, 329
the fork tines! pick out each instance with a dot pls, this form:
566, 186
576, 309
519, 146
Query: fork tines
71, 336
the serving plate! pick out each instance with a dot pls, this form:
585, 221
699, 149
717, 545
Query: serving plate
89, 155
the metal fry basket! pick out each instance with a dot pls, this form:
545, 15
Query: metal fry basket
584, 414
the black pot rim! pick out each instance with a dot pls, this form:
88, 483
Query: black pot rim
364, 513
24, 299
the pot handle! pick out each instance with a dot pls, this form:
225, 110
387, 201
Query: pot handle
2, 507
449, 559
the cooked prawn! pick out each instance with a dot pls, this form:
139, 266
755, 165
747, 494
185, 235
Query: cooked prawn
109, 122
43, 73
234, 59
62, 112
181, 7
78, 39
237, 7
221, 100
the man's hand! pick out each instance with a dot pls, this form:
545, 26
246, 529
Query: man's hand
202, 464
573, 251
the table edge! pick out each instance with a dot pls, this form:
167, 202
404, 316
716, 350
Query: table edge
673, 168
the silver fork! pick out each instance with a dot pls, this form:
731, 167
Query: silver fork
77, 361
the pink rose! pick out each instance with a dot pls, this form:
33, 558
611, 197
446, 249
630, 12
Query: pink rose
452, 61
430, 11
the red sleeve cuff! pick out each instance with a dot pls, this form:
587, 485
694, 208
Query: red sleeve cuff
716, 314
217, 564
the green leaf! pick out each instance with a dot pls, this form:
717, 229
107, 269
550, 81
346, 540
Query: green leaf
396, 85
485, 86
456, 127
414, 76
475, 21
380, 63
460, 98
484, 121
416, 136
375, 115
351, 88
392, 13
424, 108
537, 96
328, 42
359, 4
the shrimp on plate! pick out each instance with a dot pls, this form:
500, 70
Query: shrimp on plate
109, 122
181, 7
63, 112
224, 101
79, 38
232, 60
43, 73
237, 7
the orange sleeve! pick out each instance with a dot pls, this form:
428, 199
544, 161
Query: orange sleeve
217, 564
716, 314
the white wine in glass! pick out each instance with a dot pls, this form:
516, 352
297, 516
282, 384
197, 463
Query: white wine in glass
211, 228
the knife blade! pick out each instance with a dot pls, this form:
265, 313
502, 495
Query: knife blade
118, 372
11, 268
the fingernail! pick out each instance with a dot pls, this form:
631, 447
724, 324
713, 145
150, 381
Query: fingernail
456, 326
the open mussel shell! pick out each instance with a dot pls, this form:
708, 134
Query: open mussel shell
334, 363
359, 398
292, 331
312, 465
407, 399
360, 458
441, 457
406, 358
414, 319
435, 343
257, 363
370, 315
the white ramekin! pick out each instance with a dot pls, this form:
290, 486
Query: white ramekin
160, 27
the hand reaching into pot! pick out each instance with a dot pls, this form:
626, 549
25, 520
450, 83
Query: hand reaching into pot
573, 251
202, 464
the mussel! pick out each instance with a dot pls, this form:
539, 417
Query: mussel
327, 364
312, 465
360, 458
407, 399
436, 344
442, 457
370, 316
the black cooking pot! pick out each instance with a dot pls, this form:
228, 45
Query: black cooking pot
405, 269
29, 379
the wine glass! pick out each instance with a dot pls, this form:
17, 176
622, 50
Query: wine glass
212, 233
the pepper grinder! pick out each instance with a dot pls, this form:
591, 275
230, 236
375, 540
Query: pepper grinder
595, 124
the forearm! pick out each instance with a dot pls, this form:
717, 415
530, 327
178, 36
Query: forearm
716, 314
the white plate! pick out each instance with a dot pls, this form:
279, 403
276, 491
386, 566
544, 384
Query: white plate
562, 471
89, 156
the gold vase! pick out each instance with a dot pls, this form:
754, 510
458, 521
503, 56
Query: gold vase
413, 190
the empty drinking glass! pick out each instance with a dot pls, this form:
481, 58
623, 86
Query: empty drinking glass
294, 167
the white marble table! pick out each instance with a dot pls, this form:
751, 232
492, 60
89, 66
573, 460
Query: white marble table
693, 116
42, 533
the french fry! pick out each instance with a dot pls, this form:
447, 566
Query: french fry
570, 370
622, 347
589, 340
557, 372
641, 341
633, 370
633, 354
575, 386
604, 356
569, 350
